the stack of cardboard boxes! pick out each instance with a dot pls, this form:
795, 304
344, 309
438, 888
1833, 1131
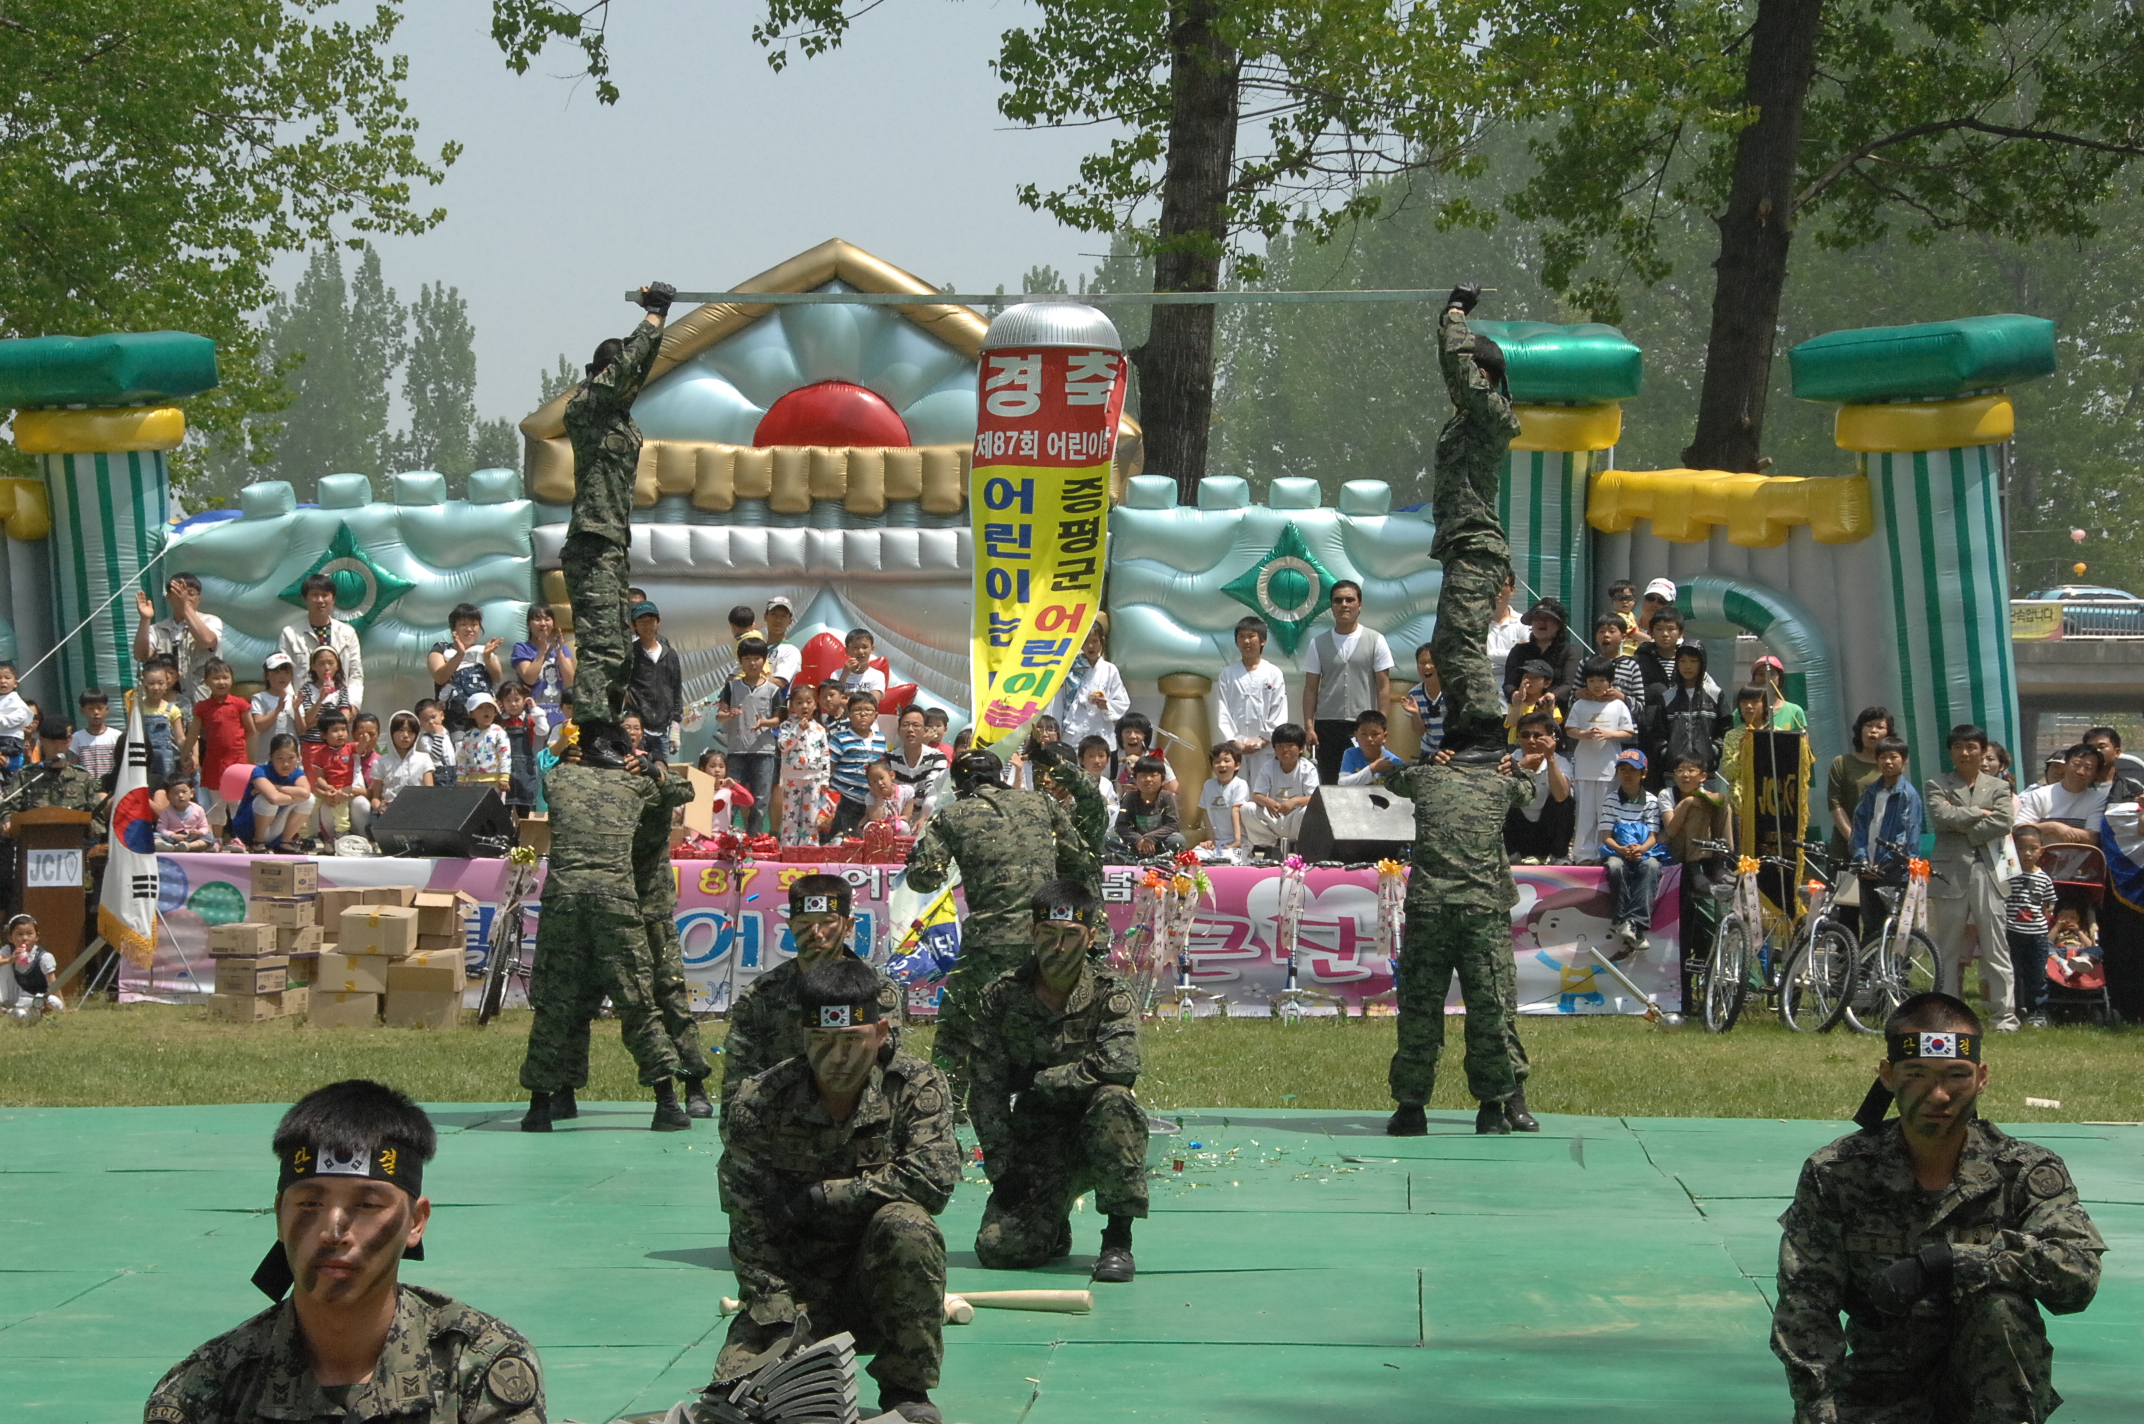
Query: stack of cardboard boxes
263, 962
395, 950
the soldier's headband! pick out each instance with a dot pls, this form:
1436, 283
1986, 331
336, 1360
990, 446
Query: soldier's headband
842, 1015
1965, 1047
306, 1163
1064, 915
819, 903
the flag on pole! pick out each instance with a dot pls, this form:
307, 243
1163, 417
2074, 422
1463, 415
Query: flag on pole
126, 911
931, 945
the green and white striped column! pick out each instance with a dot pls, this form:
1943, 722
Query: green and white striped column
110, 513
1543, 500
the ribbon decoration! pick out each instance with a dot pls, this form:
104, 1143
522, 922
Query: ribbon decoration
1391, 909
1913, 910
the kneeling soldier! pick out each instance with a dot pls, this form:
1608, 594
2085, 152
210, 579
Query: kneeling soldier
835, 1164
1056, 1055
352, 1342
1940, 1237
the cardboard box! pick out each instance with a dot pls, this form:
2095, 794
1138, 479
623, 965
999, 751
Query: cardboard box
284, 914
246, 1008
441, 912
252, 976
536, 833
303, 940
285, 878
332, 901
351, 974
293, 1001
436, 943
378, 929
412, 1008
342, 1010
243, 940
436, 976
304, 969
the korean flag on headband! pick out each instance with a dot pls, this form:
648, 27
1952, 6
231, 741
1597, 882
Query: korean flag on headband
2121, 840
126, 912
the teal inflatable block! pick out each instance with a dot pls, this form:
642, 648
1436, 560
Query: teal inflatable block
1933, 360
1572, 365
128, 368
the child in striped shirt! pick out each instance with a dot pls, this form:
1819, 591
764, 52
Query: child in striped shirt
2028, 915
855, 744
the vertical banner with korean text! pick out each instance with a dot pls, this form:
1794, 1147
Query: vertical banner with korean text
1053, 378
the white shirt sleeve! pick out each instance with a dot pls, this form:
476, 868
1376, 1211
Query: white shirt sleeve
1307, 659
1381, 660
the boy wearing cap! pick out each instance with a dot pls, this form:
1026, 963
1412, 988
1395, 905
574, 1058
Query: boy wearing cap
1629, 831
835, 1163
763, 1025
352, 1341
656, 684
783, 661
1939, 1237
1055, 1061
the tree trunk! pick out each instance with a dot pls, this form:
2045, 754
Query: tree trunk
1176, 363
1754, 234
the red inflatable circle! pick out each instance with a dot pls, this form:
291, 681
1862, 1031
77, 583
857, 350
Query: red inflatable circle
831, 413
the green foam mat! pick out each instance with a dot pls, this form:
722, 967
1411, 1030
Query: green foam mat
1296, 1266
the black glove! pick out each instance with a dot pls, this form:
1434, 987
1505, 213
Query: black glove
1464, 296
804, 1210
1912, 1278
657, 296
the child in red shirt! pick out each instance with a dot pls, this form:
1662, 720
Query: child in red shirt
331, 766
218, 739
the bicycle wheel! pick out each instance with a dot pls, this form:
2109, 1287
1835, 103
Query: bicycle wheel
1726, 974
1817, 980
504, 963
1892, 971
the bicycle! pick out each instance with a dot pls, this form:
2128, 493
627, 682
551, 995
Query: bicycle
1817, 981
1901, 960
1759, 950
509, 956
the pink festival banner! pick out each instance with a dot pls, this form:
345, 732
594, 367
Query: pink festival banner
733, 925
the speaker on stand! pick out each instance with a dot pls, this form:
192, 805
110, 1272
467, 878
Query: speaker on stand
454, 822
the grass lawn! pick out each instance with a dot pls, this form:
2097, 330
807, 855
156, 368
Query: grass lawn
153, 1055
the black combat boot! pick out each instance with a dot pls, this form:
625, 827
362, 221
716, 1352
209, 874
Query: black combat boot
1489, 1121
564, 1106
1516, 1114
696, 1100
1114, 1266
1409, 1120
538, 1118
669, 1112
911, 1404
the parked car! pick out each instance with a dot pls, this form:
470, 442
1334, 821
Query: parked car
2093, 611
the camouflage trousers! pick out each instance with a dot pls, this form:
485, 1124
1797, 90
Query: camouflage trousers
1473, 691
887, 1288
598, 573
1054, 1159
589, 946
981, 960
673, 996
1984, 1360
1475, 945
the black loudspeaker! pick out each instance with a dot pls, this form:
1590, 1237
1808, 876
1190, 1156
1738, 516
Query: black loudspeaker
458, 822
1357, 824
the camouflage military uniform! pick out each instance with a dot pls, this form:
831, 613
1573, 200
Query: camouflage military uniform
656, 879
443, 1362
606, 457
1008, 843
1090, 816
589, 937
73, 787
766, 1026
1075, 1125
873, 1263
2018, 1238
1469, 541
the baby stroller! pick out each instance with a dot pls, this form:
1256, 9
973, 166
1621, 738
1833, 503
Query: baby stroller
2076, 975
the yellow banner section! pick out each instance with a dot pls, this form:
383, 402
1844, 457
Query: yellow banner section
2035, 622
1039, 498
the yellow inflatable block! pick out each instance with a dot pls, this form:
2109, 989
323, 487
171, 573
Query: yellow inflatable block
25, 512
1926, 425
1568, 427
99, 432
1756, 510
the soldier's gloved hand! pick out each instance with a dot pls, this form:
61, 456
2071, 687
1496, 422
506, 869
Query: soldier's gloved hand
804, 1210
1464, 296
1912, 1278
657, 296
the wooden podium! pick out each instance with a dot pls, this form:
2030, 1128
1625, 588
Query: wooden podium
51, 869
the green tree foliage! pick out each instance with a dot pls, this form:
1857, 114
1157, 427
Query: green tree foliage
555, 383
440, 384
495, 445
155, 158
337, 345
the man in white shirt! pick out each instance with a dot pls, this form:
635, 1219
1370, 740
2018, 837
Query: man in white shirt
1283, 790
320, 628
918, 766
784, 662
190, 636
1347, 671
1506, 629
1253, 698
2069, 809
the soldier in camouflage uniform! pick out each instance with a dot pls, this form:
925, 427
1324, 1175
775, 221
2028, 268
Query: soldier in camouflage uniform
1055, 1059
765, 1025
58, 779
656, 878
1059, 773
1939, 1237
606, 456
1007, 843
590, 942
349, 1208
835, 1164
1460, 893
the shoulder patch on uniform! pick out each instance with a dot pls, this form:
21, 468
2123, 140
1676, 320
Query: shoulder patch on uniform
1120, 1003
929, 1099
2047, 1180
165, 1414
512, 1381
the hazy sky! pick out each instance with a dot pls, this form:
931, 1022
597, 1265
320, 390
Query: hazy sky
711, 167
